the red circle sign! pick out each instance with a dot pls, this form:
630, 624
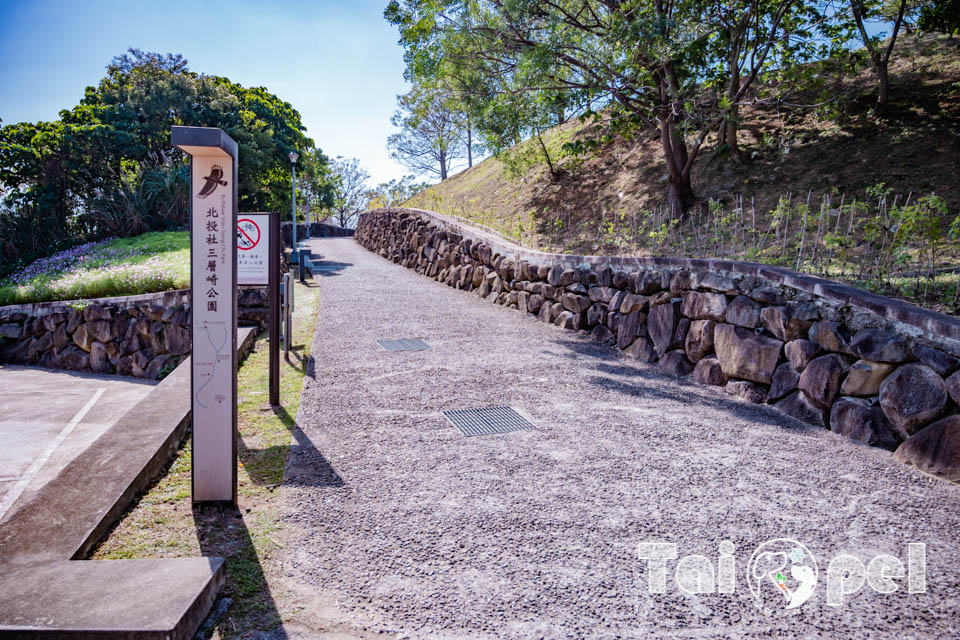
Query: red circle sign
248, 234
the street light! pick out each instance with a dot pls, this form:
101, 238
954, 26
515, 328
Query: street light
293, 155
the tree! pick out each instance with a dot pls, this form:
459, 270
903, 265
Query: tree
941, 15
349, 190
315, 185
111, 153
395, 192
738, 30
645, 61
863, 10
144, 94
432, 131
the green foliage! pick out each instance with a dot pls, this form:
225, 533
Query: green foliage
394, 193
316, 193
941, 15
106, 166
529, 66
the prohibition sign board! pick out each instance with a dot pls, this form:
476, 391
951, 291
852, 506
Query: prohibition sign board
248, 234
253, 248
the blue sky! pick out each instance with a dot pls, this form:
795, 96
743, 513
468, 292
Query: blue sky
337, 63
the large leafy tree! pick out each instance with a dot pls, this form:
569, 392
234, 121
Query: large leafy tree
144, 94
644, 60
315, 185
113, 149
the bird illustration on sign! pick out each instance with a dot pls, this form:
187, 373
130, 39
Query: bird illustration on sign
212, 181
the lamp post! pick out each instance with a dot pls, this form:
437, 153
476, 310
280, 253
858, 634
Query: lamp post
294, 258
306, 203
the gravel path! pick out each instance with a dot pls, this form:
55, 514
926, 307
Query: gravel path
399, 524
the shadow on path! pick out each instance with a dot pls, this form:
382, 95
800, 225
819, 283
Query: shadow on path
222, 531
299, 362
655, 384
262, 464
328, 268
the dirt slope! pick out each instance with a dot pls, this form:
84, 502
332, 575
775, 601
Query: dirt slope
611, 202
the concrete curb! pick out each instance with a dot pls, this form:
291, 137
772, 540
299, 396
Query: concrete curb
69, 515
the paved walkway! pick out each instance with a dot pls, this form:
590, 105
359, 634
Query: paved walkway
47, 418
400, 524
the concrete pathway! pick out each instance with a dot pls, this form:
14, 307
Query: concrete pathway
399, 524
108, 454
47, 418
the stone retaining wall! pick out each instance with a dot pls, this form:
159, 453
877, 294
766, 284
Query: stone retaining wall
141, 336
317, 230
870, 368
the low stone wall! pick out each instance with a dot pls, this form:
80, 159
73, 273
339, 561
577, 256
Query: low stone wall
141, 336
317, 230
870, 368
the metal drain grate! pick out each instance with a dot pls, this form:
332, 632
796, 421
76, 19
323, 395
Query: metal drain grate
404, 345
480, 422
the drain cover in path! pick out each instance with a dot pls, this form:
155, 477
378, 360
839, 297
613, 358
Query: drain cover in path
404, 345
479, 422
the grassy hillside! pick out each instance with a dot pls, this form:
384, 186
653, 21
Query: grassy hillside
804, 194
156, 261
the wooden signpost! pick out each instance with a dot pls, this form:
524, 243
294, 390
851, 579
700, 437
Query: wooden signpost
213, 283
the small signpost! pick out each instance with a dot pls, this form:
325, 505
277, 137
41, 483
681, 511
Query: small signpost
213, 283
253, 254
258, 262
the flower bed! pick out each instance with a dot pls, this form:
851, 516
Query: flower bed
151, 262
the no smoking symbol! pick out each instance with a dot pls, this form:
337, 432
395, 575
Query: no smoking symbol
248, 234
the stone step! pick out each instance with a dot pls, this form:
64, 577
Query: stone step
47, 590
165, 598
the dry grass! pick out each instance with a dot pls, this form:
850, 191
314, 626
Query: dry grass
786, 151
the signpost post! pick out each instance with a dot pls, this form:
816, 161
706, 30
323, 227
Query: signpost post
213, 284
258, 262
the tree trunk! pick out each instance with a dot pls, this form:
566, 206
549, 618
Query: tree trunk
674, 146
880, 60
731, 136
469, 145
733, 87
680, 195
883, 94
546, 154
443, 165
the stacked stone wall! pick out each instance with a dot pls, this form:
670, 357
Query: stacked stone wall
317, 230
140, 336
826, 354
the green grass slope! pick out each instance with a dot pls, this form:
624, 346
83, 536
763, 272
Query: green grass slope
156, 261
